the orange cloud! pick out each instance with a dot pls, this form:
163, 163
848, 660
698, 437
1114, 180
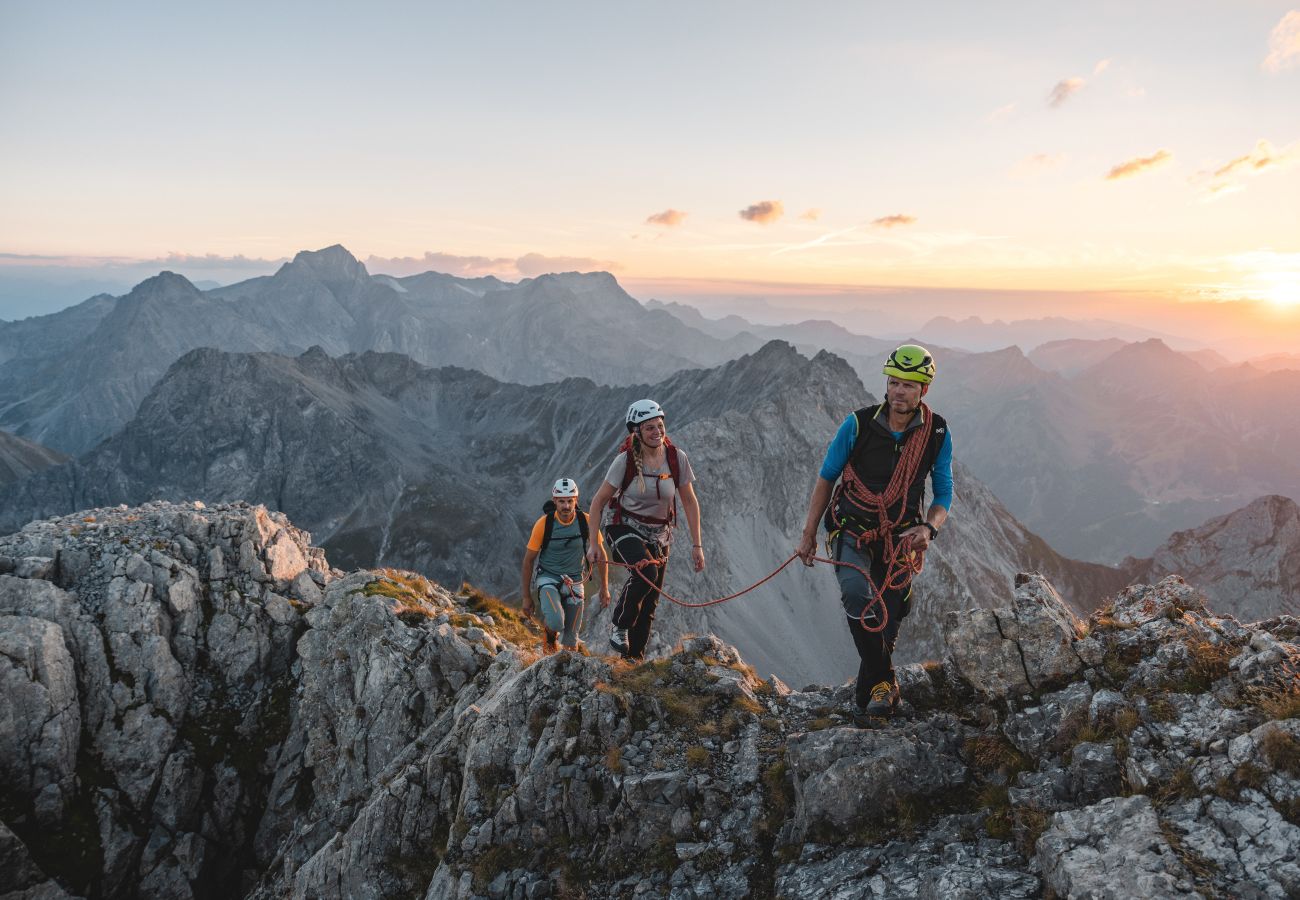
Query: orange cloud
1064, 90
1229, 177
1138, 165
765, 212
893, 221
1284, 43
811, 215
669, 218
1262, 157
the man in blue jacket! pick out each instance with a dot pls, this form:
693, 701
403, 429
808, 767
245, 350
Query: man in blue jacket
869, 496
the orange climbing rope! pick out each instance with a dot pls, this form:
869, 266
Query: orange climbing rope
902, 563
878, 597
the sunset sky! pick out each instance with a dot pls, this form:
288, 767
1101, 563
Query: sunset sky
1109, 148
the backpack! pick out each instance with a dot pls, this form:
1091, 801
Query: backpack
548, 509
629, 472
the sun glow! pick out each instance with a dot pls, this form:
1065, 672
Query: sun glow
1283, 289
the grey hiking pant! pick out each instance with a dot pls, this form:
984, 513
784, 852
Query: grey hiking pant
561, 606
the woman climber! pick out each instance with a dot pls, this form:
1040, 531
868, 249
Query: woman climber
641, 489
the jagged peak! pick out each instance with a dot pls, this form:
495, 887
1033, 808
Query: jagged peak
329, 264
164, 285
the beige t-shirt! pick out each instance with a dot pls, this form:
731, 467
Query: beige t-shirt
653, 493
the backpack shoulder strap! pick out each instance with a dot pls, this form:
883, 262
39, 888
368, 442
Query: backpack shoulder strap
674, 464
549, 510
584, 527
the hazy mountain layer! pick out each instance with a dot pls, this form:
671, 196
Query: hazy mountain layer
83, 372
1107, 462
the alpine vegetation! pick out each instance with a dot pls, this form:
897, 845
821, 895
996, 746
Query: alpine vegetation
197, 704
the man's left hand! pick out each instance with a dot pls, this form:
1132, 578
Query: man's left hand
918, 538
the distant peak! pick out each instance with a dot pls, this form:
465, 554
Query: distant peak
333, 263
165, 284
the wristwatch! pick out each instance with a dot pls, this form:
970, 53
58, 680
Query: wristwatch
934, 532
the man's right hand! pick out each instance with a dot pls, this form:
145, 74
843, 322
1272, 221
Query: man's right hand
807, 548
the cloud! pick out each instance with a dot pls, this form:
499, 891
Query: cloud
669, 218
1137, 165
764, 212
893, 221
450, 263
1064, 90
505, 267
811, 215
1068, 87
1001, 113
1037, 163
1231, 176
238, 262
536, 264
1284, 43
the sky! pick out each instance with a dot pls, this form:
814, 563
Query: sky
1071, 159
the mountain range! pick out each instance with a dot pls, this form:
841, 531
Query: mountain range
71, 379
442, 471
1102, 447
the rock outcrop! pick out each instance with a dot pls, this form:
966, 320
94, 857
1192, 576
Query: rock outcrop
197, 705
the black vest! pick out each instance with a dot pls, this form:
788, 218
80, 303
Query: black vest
874, 456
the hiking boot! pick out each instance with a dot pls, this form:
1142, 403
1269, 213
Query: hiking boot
884, 697
618, 640
859, 717
549, 644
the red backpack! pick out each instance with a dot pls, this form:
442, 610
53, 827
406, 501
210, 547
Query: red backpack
629, 472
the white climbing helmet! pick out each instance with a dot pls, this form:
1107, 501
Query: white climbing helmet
565, 487
642, 411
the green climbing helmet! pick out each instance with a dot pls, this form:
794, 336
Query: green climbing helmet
911, 362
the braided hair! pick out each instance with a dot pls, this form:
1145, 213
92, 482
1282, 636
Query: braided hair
636, 458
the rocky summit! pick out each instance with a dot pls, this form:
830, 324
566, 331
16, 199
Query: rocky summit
195, 704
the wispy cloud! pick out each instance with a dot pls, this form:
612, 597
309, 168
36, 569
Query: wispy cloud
1284, 43
669, 218
1230, 177
764, 212
1064, 90
506, 267
893, 221
1068, 87
539, 264
811, 215
449, 263
171, 260
1037, 163
1138, 165
1001, 114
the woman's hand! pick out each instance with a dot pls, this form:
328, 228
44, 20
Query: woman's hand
604, 598
697, 557
595, 554
528, 607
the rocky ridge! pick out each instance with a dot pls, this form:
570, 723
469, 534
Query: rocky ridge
197, 705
